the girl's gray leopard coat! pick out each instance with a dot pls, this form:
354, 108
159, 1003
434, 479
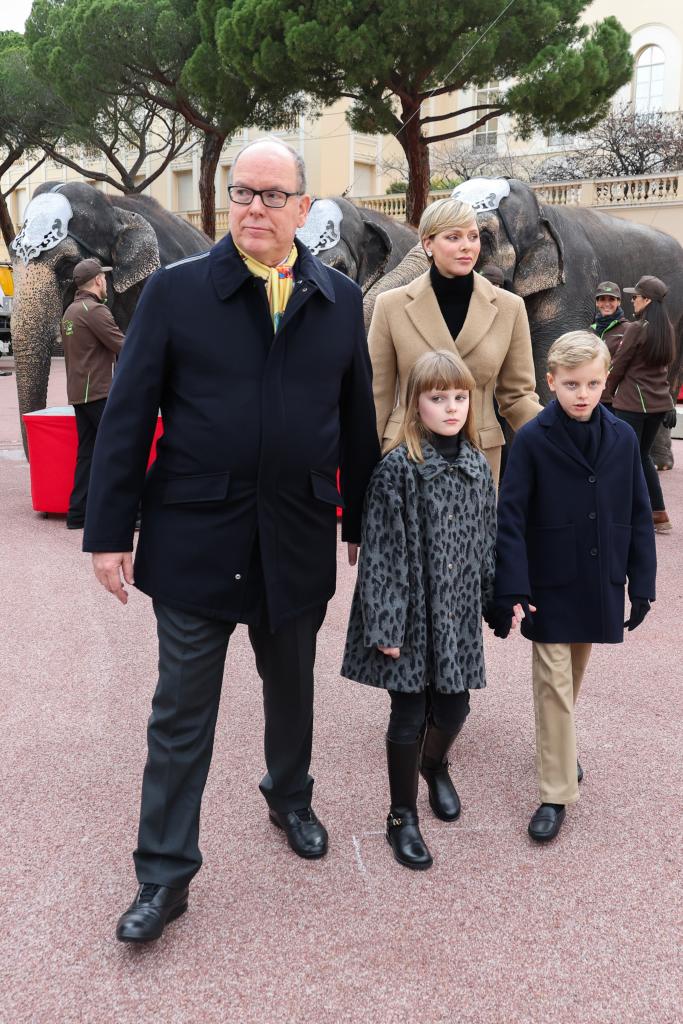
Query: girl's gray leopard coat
426, 569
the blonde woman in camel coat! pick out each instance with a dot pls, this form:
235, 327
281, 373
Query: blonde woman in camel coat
451, 307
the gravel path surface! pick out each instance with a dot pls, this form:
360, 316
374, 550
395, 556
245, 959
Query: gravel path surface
500, 931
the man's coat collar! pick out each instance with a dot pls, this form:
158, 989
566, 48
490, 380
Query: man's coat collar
229, 271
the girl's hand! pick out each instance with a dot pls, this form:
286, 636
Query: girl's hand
391, 652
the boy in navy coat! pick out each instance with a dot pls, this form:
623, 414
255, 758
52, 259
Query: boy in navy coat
574, 524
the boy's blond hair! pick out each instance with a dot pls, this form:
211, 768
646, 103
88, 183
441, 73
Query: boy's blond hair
576, 348
443, 215
433, 371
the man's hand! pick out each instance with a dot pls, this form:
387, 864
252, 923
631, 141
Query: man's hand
353, 552
640, 606
108, 568
391, 652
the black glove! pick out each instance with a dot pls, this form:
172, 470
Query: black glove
669, 420
500, 612
639, 609
498, 616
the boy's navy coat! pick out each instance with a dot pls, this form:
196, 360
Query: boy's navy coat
255, 427
571, 534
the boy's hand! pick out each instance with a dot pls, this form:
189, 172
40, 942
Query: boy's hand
391, 652
506, 613
639, 609
523, 610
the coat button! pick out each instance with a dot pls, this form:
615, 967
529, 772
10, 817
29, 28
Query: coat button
238, 575
592, 515
592, 479
450, 518
450, 565
594, 552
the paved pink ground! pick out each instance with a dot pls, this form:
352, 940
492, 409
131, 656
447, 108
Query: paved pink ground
500, 931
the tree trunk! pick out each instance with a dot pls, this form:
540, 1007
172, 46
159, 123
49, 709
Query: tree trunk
417, 155
6, 225
211, 154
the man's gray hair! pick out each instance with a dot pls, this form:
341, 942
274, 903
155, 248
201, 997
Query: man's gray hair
296, 157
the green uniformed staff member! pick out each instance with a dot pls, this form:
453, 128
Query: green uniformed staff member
92, 341
610, 321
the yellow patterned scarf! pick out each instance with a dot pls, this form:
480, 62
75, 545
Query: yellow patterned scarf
279, 282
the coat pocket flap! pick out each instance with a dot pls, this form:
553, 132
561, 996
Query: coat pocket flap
326, 489
491, 437
206, 487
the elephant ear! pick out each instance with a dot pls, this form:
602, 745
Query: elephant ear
538, 248
135, 252
375, 252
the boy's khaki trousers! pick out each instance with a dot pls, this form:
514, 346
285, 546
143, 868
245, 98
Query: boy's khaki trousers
557, 672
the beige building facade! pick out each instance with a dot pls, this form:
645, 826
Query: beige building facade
340, 161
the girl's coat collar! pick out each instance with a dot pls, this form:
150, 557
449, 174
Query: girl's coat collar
468, 461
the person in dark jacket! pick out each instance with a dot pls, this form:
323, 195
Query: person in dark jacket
574, 524
265, 389
92, 341
426, 570
610, 320
638, 385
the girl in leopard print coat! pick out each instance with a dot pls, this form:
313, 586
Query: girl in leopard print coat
426, 572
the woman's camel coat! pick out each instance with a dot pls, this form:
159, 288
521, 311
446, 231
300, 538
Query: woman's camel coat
494, 343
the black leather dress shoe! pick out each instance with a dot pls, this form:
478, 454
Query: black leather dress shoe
579, 772
150, 912
305, 834
546, 823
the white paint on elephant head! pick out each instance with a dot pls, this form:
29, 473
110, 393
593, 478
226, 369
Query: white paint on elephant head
482, 193
45, 225
322, 229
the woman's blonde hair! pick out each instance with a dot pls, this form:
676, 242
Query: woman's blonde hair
576, 348
443, 215
433, 371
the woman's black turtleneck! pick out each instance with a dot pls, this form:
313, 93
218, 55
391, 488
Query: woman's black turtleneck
453, 295
448, 447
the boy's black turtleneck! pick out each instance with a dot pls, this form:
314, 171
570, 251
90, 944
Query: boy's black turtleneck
586, 435
453, 295
448, 447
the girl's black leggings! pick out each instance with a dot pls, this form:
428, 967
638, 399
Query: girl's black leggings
646, 425
409, 712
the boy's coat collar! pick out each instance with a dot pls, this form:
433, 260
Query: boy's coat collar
549, 419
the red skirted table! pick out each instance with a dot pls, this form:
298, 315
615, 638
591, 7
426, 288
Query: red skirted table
52, 446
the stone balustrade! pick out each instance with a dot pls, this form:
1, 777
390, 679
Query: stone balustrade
637, 192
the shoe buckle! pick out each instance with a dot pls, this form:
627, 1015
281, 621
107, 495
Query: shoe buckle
395, 821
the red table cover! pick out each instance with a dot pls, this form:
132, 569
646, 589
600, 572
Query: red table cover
52, 446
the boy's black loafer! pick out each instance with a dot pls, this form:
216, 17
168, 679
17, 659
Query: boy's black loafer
150, 912
546, 823
305, 834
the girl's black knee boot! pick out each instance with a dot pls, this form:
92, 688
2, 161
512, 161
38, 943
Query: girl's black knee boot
403, 829
443, 796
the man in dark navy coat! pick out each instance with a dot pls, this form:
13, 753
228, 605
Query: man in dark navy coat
574, 524
256, 355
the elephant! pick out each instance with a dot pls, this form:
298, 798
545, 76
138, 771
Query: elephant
361, 243
554, 257
64, 224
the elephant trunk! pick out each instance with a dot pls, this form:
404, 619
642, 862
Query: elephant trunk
36, 315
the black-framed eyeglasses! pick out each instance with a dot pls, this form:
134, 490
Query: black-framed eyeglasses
273, 197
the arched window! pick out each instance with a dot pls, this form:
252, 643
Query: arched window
649, 82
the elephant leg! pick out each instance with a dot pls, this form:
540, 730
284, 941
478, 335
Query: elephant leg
662, 452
